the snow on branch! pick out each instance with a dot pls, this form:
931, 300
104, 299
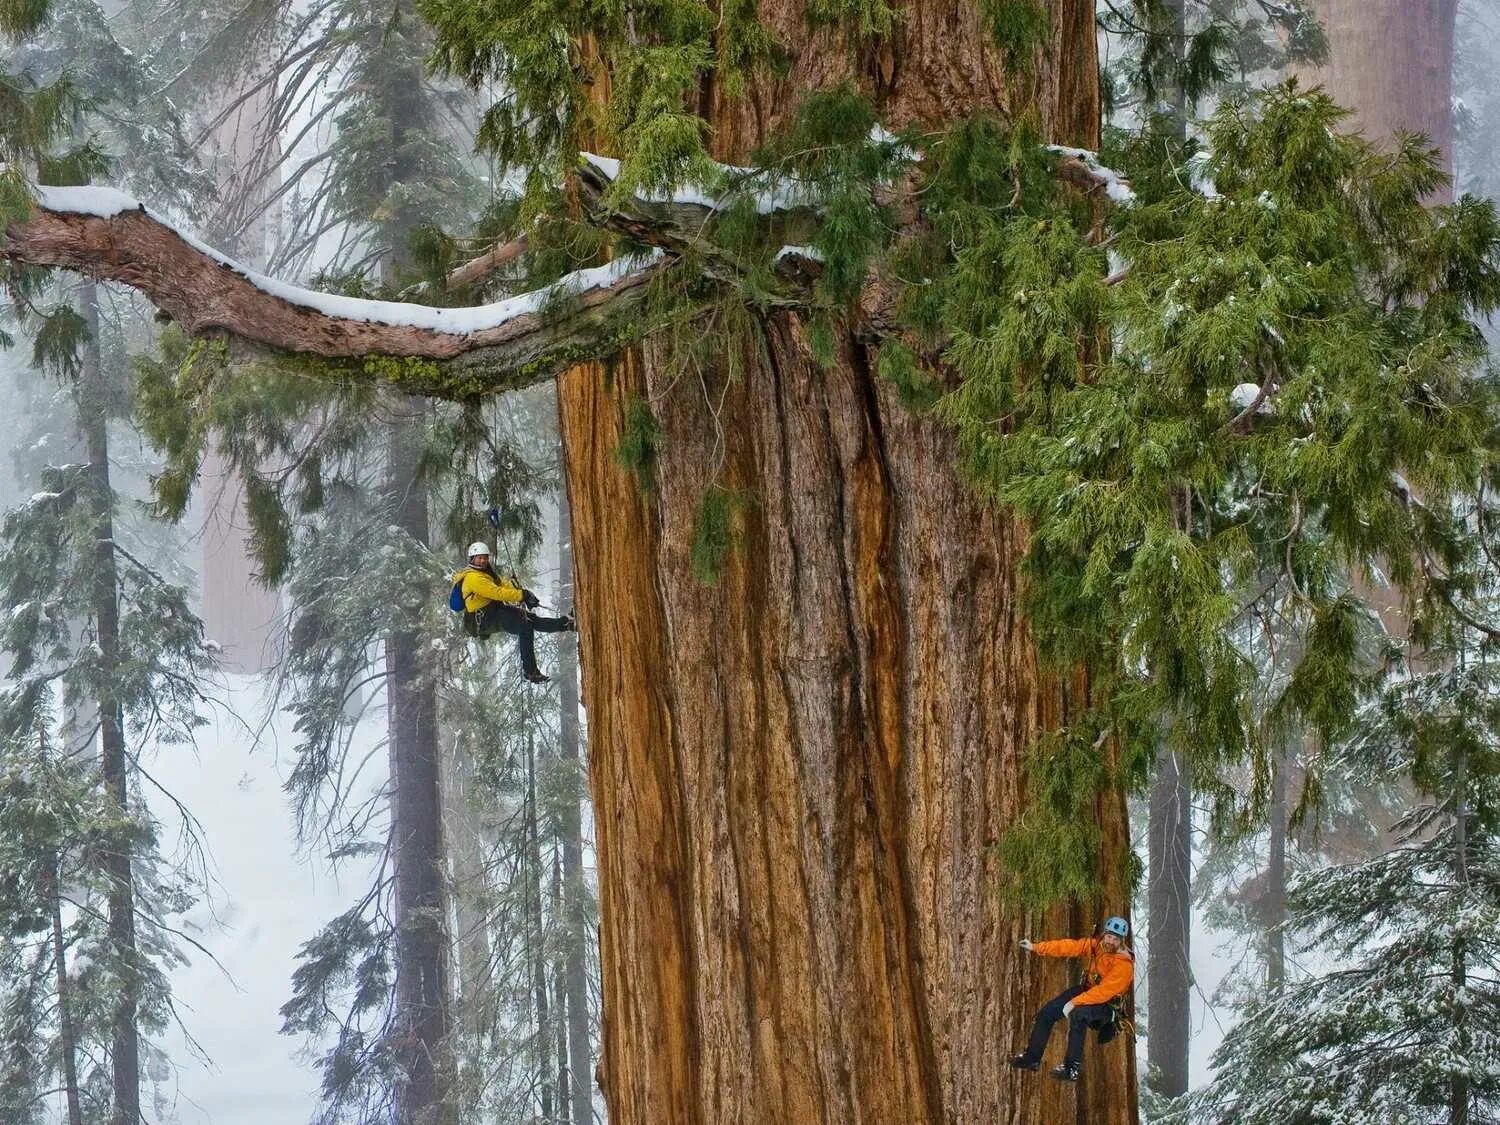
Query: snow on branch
1114, 184
109, 235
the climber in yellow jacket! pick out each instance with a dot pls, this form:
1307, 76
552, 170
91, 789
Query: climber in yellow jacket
493, 604
1109, 974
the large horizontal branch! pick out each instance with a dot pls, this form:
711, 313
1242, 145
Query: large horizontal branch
477, 350
482, 349
108, 236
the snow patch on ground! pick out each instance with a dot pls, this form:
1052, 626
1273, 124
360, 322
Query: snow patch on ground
268, 901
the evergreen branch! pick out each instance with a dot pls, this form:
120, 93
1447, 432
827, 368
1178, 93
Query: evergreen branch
495, 258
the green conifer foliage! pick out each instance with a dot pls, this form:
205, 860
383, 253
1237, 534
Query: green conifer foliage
58, 822
1292, 361
1162, 50
1394, 1010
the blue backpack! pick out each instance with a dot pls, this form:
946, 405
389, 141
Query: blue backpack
456, 597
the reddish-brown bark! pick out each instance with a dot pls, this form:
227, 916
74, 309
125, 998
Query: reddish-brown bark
799, 773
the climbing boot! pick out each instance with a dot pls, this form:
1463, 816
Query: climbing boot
1068, 1072
1022, 1062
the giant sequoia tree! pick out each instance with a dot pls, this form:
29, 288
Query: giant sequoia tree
1391, 62
889, 571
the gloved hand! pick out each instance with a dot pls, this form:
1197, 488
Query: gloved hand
1068, 1009
1026, 944
529, 600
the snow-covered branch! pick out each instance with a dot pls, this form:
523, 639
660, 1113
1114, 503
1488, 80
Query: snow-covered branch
1083, 166
108, 235
588, 314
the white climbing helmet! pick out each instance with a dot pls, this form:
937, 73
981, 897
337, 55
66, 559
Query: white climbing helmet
478, 549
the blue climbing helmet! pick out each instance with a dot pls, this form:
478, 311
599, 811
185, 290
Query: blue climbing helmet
1117, 926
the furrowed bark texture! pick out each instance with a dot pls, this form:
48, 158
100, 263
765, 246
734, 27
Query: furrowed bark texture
1391, 62
798, 774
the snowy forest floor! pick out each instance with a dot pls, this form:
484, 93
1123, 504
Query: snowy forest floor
266, 901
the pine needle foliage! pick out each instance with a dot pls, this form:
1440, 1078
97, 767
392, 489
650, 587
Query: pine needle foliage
1395, 1014
1168, 56
1293, 354
716, 531
1019, 28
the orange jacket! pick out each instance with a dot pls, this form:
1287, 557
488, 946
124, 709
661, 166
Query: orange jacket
480, 589
1108, 975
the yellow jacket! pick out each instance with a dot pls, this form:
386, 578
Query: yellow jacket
1108, 974
481, 588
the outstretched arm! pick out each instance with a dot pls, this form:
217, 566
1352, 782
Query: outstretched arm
1062, 947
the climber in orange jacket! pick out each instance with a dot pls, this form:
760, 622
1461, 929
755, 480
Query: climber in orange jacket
1108, 977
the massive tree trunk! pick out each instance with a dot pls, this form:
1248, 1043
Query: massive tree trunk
1391, 62
798, 774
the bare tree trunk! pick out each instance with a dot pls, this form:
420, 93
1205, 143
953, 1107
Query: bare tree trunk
535, 936
67, 1037
461, 846
93, 416
1458, 1082
422, 983
576, 911
798, 774
1169, 906
1169, 831
1391, 62
559, 969
1275, 898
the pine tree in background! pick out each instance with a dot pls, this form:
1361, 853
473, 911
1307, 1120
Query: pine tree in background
136, 663
1165, 61
1163, 56
1397, 1007
579, 903
524, 912
119, 104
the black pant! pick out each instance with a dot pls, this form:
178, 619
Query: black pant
1083, 1017
497, 617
